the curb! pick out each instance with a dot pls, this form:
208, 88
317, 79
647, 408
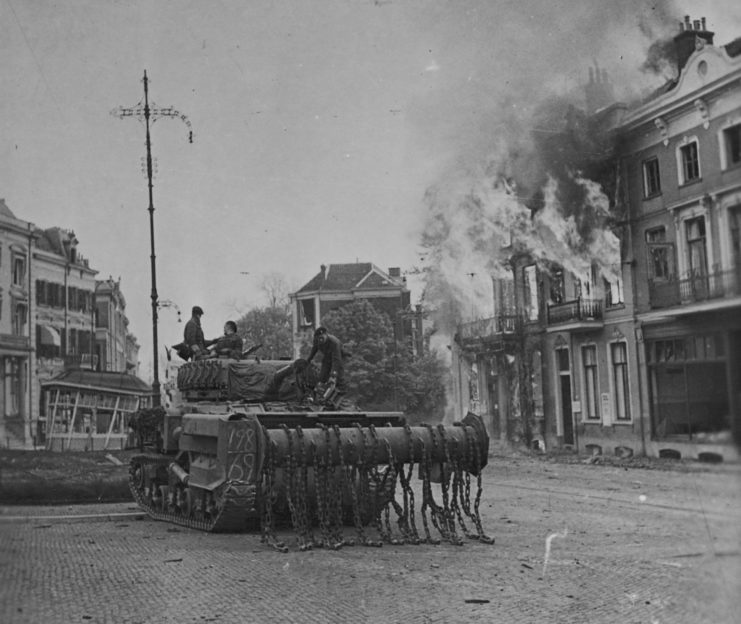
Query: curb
69, 519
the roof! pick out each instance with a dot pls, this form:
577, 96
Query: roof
5, 211
345, 277
734, 47
50, 239
103, 380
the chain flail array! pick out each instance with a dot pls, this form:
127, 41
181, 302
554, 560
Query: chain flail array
336, 478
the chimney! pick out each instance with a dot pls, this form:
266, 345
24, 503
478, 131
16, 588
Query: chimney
394, 271
686, 42
598, 92
323, 269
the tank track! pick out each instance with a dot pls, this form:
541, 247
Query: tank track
236, 500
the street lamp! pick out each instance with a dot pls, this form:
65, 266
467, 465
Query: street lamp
166, 303
151, 114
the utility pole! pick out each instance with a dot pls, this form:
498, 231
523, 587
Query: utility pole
150, 115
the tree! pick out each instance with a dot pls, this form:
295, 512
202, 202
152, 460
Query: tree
381, 373
276, 290
270, 327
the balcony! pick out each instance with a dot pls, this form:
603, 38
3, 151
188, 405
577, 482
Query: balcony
489, 333
81, 361
12, 341
694, 288
580, 313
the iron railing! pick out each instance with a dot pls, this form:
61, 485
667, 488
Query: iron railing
693, 288
579, 309
490, 327
81, 361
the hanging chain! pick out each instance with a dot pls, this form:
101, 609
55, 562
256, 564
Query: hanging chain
268, 526
448, 516
306, 537
476, 516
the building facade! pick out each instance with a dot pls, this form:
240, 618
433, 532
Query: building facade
17, 370
55, 317
649, 360
682, 166
64, 311
116, 349
339, 284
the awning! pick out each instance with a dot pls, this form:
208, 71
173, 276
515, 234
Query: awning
50, 336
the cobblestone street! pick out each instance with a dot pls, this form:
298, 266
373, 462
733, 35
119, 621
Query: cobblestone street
631, 545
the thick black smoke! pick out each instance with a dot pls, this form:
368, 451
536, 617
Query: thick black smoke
525, 168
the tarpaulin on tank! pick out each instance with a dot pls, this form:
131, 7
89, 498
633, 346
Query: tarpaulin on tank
253, 381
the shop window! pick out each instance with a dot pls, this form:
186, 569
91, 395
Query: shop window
619, 356
591, 391
651, 178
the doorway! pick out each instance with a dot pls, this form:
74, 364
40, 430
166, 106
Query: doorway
564, 378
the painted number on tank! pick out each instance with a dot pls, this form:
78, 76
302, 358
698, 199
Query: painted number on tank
241, 455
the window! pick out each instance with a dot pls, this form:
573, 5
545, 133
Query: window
614, 292
13, 390
735, 230
696, 256
20, 315
651, 178
504, 295
558, 286
589, 360
306, 312
531, 292
620, 380
660, 255
19, 270
731, 146
689, 163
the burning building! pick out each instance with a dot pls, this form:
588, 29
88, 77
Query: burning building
605, 300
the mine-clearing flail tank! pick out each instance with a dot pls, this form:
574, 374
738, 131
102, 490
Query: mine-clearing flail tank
256, 444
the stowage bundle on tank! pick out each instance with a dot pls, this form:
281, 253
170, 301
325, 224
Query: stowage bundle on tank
228, 464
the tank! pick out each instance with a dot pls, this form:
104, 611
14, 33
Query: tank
259, 445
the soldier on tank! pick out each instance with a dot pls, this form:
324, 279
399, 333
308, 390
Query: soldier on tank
230, 344
333, 369
193, 338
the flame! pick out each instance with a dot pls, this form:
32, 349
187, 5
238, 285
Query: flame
473, 232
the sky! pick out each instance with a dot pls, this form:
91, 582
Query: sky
319, 128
